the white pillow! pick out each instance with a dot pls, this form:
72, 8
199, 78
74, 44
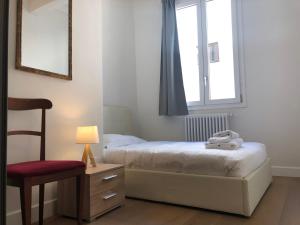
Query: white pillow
117, 140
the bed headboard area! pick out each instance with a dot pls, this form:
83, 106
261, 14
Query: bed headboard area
117, 120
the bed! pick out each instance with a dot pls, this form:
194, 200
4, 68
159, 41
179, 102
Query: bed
185, 173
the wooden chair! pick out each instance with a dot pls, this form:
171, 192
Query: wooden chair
27, 174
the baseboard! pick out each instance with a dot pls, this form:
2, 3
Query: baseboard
283, 171
15, 217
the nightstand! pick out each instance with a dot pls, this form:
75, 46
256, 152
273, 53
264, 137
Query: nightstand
104, 191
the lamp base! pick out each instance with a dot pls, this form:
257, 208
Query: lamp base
88, 154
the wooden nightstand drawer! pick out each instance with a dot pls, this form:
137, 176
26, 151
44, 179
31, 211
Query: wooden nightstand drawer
106, 181
106, 200
104, 191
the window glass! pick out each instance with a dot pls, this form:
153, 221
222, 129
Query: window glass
220, 50
209, 24
188, 42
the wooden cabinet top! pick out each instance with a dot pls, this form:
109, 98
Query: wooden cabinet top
101, 167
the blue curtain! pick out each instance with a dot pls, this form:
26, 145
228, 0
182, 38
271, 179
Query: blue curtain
172, 101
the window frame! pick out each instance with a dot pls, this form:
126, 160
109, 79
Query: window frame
238, 54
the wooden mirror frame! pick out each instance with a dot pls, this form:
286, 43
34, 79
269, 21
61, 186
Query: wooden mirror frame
3, 104
19, 65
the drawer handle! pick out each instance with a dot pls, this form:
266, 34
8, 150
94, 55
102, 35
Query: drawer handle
109, 196
110, 177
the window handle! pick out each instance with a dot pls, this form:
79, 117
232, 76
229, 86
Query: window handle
206, 81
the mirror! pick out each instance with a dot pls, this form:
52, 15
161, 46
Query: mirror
44, 37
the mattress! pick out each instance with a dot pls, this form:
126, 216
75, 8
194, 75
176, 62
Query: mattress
188, 158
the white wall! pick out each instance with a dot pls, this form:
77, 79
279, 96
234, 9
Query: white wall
77, 102
119, 55
147, 19
272, 56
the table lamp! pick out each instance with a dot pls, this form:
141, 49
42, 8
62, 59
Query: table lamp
87, 135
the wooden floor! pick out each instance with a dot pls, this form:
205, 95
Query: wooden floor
280, 206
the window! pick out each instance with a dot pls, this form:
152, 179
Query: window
209, 52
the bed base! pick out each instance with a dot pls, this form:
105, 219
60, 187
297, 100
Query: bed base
226, 194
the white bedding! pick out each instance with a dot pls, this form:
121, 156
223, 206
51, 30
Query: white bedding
188, 157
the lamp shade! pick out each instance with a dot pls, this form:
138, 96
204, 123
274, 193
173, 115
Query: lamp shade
87, 135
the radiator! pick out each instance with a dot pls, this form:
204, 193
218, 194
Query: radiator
202, 127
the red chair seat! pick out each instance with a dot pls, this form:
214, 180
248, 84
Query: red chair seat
39, 168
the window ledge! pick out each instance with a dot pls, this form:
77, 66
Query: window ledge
193, 108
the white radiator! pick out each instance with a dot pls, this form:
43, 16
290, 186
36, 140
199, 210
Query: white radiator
202, 127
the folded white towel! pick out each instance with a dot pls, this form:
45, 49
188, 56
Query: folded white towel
219, 140
231, 145
227, 133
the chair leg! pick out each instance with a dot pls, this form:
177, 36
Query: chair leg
41, 204
26, 192
80, 191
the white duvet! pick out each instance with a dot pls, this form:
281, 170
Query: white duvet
188, 157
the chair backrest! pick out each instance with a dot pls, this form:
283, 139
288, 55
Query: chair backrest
20, 104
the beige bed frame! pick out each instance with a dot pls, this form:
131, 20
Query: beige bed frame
226, 194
